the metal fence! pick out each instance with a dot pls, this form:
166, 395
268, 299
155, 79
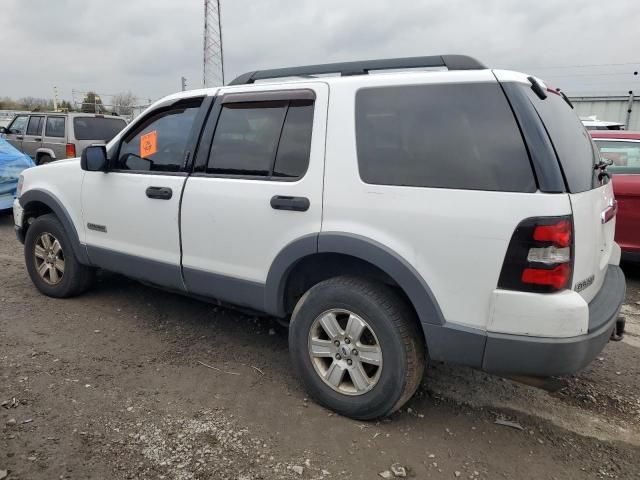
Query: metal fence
610, 109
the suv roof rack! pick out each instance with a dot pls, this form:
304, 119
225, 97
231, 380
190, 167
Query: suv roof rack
452, 62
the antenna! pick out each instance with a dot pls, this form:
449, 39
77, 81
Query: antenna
213, 65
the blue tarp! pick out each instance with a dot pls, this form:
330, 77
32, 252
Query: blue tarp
12, 163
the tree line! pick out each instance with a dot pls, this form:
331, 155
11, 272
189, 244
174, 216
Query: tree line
122, 104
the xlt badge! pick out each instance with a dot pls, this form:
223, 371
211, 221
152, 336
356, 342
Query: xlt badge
97, 228
584, 283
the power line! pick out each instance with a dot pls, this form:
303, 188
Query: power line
583, 66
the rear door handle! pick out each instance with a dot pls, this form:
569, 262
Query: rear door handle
37, 139
159, 193
296, 204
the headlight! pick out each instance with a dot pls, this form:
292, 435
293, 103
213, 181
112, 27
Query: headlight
19, 187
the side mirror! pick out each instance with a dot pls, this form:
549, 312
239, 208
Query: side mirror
3, 130
94, 158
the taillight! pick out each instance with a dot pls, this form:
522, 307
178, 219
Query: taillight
71, 150
540, 256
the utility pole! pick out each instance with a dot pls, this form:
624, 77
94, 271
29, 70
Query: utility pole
55, 98
213, 60
183, 81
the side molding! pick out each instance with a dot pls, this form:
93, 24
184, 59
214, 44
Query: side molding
51, 201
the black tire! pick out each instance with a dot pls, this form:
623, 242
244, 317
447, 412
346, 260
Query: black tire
397, 330
75, 279
44, 158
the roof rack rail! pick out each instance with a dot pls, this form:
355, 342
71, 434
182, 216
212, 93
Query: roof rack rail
452, 62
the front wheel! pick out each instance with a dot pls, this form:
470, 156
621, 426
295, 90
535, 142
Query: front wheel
357, 347
51, 262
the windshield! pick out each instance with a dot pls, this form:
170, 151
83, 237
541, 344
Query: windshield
624, 155
97, 128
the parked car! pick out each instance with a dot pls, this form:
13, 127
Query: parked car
623, 150
12, 164
46, 137
452, 215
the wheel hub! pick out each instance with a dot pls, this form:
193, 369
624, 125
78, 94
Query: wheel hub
345, 352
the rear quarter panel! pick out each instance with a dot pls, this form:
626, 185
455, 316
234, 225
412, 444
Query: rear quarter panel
455, 239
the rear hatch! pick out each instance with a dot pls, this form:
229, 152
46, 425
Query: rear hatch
591, 196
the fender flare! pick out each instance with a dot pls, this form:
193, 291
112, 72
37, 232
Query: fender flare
51, 201
371, 251
48, 151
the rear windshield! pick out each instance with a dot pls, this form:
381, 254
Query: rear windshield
570, 139
97, 128
461, 136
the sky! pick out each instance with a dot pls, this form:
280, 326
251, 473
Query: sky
145, 46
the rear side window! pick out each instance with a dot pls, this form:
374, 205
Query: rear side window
570, 140
35, 126
461, 136
263, 139
624, 155
54, 127
97, 128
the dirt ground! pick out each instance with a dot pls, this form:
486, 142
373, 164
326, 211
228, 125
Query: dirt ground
113, 384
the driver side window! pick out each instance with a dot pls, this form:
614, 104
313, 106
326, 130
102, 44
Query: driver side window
158, 144
19, 125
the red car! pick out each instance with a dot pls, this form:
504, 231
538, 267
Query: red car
623, 149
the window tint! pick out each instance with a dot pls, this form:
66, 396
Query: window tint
246, 138
570, 140
445, 136
97, 128
35, 125
294, 149
54, 127
624, 155
159, 143
19, 125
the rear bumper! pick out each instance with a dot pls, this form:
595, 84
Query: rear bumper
540, 356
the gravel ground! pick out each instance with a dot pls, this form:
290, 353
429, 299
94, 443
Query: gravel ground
113, 384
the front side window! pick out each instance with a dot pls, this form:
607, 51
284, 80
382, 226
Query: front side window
54, 127
35, 125
459, 136
19, 125
269, 139
159, 143
624, 155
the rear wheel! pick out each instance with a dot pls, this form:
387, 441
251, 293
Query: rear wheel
357, 347
51, 262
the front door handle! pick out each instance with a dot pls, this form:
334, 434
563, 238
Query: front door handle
296, 204
159, 193
19, 137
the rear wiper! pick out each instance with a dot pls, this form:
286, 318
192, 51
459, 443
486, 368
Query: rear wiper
566, 99
603, 164
601, 167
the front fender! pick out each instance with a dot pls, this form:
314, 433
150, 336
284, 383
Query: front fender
32, 197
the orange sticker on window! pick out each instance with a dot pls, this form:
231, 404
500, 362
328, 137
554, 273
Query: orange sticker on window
148, 144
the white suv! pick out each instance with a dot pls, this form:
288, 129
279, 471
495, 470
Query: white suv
457, 214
